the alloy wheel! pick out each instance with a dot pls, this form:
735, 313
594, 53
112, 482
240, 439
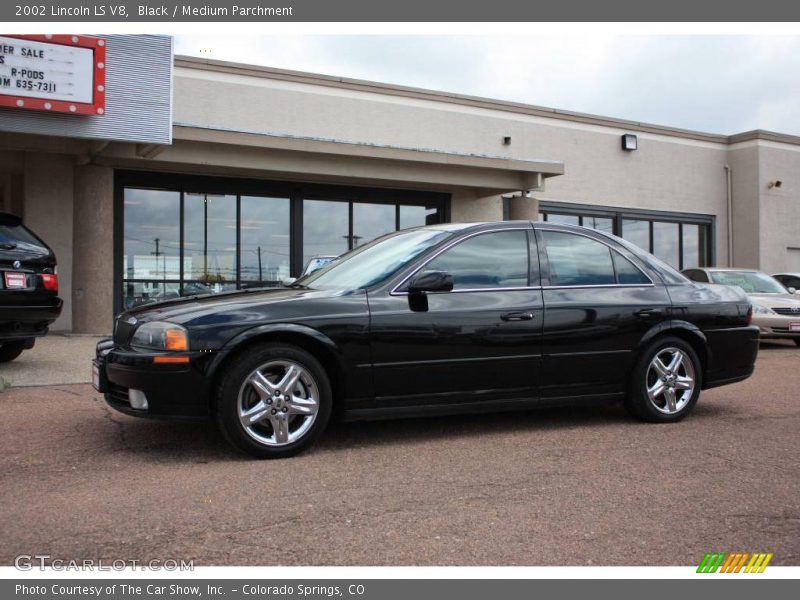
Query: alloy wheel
670, 380
278, 403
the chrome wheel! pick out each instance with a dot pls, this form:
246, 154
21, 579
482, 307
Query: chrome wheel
670, 380
278, 403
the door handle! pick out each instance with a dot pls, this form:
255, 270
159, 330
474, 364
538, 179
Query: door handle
646, 313
524, 315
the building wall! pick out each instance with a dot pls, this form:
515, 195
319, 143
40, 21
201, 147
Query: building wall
665, 173
779, 207
48, 182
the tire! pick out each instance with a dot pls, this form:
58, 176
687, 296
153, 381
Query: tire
265, 414
797, 341
647, 374
10, 350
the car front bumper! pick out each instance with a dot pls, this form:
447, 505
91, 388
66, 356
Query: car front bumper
778, 326
134, 384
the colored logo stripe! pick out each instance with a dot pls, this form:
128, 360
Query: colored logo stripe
734, 562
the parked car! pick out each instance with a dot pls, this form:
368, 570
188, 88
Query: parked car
444, 319
791, 281
776, 310
29, 300
317, 262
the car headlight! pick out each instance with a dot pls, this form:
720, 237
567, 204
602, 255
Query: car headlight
759, 309
161, 336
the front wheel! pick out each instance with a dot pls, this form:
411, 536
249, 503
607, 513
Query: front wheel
273, 401
10, 350
666, 382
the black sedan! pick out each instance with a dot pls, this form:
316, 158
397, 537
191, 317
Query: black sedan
434, 320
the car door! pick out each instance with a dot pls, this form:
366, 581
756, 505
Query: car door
599, 303
480, 341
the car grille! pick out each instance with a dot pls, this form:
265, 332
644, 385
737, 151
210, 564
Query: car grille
791, 312
123, 330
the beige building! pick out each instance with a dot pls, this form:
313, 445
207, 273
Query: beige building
267, 168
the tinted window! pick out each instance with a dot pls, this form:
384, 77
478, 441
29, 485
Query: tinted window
752, 282
577, 260
18, 236
627, 272
488, 260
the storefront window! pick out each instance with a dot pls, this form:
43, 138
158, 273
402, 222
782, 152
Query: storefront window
599, 223
209, 240
564, 219
417, 216
265, 248
666, 243
637, 232
371, 221
151, 253
326, 228
181, 241
695, 246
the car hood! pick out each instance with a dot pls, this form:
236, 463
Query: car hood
776, 300
186, 309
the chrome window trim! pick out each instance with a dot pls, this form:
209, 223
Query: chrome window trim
394, 291
612, 249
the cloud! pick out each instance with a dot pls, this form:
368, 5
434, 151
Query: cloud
718, 84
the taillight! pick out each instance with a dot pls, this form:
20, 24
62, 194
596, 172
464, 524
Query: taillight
750, 314
50, 282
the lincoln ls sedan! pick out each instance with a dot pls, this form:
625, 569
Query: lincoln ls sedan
433, 321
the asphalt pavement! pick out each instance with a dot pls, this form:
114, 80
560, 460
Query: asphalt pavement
576, 486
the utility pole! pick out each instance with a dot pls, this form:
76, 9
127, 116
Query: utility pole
157, 254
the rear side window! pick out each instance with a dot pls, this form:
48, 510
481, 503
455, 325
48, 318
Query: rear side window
577, 260
489, 260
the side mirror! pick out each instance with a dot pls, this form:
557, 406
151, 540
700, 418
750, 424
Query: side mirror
792, 290
431, 281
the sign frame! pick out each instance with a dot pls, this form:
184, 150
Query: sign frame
98, 105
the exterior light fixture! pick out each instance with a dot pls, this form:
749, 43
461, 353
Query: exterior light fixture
629, 142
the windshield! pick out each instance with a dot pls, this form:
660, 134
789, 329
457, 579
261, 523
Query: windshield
752, 282
374, 262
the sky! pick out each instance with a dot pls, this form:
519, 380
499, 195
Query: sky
714, 83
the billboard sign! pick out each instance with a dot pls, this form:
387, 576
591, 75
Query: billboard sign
53, 73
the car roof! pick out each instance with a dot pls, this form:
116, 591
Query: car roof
792, 273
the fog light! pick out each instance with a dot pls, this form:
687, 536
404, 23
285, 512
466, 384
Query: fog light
137, 399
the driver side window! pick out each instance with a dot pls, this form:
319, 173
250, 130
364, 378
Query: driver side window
489, 260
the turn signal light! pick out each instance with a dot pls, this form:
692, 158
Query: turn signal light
175, 339
171, 360
50, 282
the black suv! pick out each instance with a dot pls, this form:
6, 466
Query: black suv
29, 299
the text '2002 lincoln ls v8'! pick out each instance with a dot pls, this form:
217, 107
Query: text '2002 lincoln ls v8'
433, 320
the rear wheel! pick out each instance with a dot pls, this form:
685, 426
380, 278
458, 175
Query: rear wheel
666, 381
273, 401
10, 350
